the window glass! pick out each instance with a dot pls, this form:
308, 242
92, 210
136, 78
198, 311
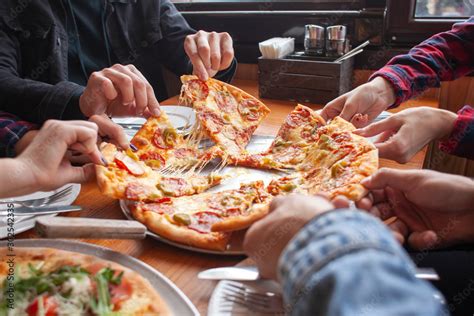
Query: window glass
444, 8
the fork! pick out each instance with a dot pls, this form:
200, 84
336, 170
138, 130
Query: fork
56, 197
264, 303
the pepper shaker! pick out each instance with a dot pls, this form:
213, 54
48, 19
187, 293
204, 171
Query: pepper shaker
336, 40
314, 40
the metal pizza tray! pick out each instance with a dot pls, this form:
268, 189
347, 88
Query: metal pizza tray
179, 304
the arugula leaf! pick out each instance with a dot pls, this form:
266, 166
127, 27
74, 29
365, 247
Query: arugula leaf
103, 306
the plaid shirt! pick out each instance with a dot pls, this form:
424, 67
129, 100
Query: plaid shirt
443, 57
11, 130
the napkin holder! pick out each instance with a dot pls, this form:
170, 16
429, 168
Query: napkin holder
302, 78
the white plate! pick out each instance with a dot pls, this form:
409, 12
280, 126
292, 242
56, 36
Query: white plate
182, 118
220, 306
23, 223
179, 304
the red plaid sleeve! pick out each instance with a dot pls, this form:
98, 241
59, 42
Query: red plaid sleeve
11, 130
443, 57
461, 140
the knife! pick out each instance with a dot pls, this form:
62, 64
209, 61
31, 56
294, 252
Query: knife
44, 210
251, 274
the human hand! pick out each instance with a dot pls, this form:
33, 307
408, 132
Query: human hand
363, 104
45, 158
209, 52
119, 91
403, 134
266, 239
433, 209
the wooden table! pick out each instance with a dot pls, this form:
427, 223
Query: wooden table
182, 266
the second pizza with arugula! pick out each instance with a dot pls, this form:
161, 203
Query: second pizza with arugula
315, 157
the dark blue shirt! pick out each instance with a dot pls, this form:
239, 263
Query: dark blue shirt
89, 49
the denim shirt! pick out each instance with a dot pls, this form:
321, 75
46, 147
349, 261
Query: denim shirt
347, 263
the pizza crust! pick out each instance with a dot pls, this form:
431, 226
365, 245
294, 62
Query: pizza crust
257, 212
158, 224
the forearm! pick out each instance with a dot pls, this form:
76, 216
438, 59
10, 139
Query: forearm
344, 262
17, 178
444, 57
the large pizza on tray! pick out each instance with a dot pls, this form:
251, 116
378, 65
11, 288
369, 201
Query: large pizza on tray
170, 193
55, 282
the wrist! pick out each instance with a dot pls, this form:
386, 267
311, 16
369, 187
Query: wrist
18, 178
447, 121
25, 141
384, 89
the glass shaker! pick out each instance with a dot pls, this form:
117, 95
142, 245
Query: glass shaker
336, 40
314, 40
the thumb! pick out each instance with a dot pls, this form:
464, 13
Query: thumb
378, 128
333, 108
79, 174
385, 177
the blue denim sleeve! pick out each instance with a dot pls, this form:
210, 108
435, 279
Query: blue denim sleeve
347, 263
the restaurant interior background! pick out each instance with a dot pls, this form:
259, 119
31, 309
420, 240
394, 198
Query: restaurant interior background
392, 26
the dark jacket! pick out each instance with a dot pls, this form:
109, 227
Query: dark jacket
34, 51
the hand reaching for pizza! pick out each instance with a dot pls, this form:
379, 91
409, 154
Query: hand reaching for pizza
43, 166
433, 209
119, 91
209, 53
266, 239
402, 135
363, 104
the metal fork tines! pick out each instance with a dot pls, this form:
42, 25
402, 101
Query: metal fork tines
263, 303
56, 197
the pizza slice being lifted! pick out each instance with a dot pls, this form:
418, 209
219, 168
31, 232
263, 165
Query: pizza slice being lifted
290, 147
228, 115
126, 177
204, 220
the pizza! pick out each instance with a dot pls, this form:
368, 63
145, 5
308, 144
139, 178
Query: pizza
290, 147
163, 176
204, 220
227, 115
160, 145
55, 282
127, 177
335, 165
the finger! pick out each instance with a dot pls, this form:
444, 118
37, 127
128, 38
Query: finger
423, 240
398, 179
360, 120
153, 107
114, 131
373, 129
349, 110
385, 136
365, 203
100, 83
215, 52
139, 88
399, 237
198, 67
341, 202
276, 203
401, 147
399, 227
227, 51
383, 211
122, 82
79, 174
333, 108
204, 50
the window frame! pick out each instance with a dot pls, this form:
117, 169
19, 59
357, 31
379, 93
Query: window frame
403, 28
